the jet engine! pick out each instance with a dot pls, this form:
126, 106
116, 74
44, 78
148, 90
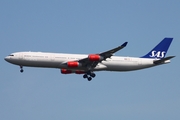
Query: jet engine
65, 71
73, 64
79, 72
95, 57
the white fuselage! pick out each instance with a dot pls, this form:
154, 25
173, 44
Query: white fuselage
56, 60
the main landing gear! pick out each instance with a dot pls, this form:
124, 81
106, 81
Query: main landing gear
21, 69
89, 75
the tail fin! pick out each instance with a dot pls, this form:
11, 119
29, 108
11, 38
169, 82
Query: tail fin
160, 50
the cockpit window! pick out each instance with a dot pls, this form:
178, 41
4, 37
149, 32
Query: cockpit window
11, 55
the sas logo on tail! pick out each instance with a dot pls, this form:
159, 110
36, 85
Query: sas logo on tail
159, 54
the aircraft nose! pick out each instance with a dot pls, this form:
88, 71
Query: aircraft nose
6, 58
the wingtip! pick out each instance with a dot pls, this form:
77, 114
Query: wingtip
124, 44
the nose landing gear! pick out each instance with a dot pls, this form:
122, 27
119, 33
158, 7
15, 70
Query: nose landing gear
21, 69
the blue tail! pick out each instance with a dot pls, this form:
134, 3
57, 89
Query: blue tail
160, 50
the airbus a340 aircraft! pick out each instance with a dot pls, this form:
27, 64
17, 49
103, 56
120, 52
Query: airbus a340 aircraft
88, 64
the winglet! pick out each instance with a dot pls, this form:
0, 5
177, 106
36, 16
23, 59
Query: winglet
124, 44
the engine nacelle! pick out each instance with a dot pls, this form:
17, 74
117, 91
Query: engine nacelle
73, 64
95, 57
79, 72
65, 71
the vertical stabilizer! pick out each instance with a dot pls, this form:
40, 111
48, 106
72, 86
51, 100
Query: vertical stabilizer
160, 50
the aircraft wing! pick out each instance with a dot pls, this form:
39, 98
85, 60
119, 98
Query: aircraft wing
86, 62
110, 53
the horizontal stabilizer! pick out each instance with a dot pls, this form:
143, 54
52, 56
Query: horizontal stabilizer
163, 60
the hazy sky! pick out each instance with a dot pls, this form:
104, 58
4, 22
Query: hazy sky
81, 26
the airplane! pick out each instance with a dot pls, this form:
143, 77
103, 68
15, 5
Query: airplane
87, 64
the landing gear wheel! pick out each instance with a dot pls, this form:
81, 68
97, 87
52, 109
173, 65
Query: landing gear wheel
89, 78
21, 70
93, 75
85, 76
